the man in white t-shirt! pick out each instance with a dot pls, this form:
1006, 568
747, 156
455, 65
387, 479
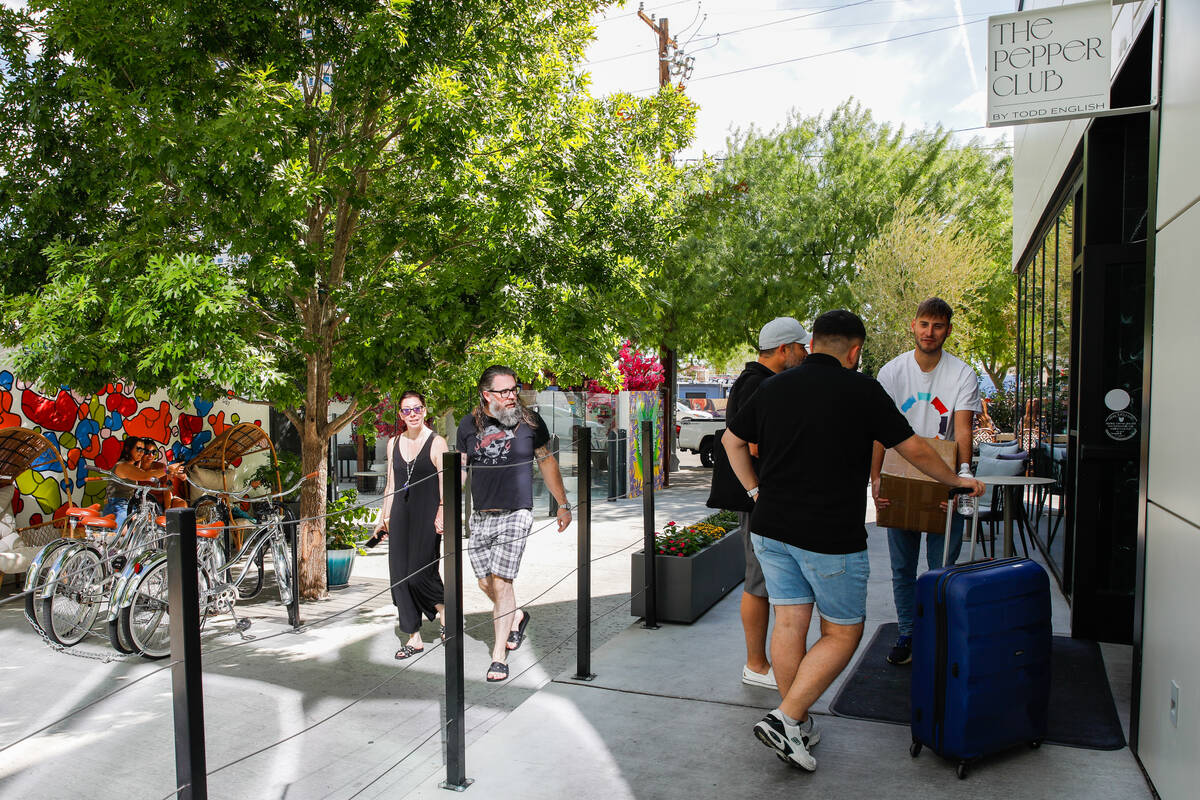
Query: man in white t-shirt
938, 394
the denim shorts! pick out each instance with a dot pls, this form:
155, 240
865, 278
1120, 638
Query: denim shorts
836, 583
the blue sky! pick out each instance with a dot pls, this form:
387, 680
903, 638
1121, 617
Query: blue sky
935, 76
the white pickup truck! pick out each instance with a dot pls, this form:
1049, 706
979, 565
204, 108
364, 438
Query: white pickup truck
699, 436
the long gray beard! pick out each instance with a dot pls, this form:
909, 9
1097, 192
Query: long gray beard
509, 417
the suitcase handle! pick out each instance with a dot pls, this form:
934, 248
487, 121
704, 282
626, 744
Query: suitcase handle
957, 490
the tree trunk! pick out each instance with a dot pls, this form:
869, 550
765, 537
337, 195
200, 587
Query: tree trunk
360, 457
314, 454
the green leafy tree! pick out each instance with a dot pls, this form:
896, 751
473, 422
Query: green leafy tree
301, 199
777, 227
914, 256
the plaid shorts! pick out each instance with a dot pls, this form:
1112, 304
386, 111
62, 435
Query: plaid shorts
498, 541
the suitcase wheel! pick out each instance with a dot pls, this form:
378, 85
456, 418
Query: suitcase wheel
961, 772
1035, 744
914, 749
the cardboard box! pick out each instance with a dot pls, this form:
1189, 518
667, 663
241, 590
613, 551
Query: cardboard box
916, 498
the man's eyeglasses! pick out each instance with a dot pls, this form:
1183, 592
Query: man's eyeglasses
411, 412
509, 392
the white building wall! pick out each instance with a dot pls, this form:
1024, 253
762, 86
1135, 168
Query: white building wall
1171, 633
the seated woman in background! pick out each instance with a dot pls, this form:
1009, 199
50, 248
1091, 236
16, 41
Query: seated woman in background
1030, 430
985, 428
175, 487
137, 463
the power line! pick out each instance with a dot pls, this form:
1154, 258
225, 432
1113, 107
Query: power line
805, 28
819, 55
798, 16
635, 13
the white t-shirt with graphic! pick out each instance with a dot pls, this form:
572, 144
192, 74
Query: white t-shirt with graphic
928, 400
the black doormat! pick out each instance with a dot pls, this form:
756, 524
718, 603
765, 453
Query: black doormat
1082, 710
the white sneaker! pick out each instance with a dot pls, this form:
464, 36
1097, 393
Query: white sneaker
791, 743
752, 678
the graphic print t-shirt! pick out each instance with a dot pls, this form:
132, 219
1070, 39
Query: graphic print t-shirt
504, 457
928, 400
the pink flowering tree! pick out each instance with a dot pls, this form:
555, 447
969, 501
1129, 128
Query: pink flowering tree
639, 372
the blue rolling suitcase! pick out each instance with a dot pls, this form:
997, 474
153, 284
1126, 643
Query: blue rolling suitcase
981, 658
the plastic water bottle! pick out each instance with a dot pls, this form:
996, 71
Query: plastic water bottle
966, 504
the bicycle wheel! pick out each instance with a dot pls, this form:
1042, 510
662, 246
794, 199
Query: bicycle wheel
252, 583
147, 620
118, 637
72, 608
283, 566
35, 581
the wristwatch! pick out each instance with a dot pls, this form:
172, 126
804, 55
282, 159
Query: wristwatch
752, 493
564, 506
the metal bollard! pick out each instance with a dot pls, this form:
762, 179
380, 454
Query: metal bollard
187, 690
552, 505
456, 725
648, 525
294, 607
622, 462
583, 555
612, 465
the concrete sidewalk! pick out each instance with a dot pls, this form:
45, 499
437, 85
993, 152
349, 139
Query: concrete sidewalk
667, 716
328, 713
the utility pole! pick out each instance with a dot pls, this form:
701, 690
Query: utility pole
662, 28
666, 355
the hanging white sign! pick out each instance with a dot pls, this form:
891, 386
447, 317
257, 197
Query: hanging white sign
1049, 64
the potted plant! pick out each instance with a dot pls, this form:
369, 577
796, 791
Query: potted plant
695, 566
346, 527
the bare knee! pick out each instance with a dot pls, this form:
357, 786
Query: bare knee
793, 616
849, 635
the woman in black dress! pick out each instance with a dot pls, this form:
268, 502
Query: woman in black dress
411, 518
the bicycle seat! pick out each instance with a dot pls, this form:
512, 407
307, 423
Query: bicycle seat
210, 531
109, 522
88, 511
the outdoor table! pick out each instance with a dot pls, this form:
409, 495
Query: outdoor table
1010, 484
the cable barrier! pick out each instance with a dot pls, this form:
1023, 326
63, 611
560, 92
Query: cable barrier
171, 614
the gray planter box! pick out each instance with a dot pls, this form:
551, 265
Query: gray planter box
690, 585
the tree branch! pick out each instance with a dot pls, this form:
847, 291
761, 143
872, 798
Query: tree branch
345, 418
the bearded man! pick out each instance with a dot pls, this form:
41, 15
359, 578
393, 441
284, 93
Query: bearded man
498, 440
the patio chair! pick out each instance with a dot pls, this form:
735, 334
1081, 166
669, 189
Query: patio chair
993, 449
1050, 460
992, 511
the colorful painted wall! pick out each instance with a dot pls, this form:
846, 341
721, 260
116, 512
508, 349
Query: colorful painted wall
88, 431
642, 406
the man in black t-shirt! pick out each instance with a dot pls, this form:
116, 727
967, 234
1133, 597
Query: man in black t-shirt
781, 345
499, 441
815, 427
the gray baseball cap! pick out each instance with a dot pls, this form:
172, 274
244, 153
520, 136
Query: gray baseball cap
782, 330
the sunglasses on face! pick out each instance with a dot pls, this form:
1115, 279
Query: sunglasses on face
139, 450
407, 412
509, 392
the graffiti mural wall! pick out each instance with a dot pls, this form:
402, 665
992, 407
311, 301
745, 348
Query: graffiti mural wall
88, 431
643, 406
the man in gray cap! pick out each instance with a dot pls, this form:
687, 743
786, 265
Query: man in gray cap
781, 345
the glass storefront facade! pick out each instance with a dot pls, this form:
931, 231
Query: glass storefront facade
1043, 390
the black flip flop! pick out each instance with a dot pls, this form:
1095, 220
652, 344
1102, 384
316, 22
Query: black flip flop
515, 638
408, 651
499, 668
